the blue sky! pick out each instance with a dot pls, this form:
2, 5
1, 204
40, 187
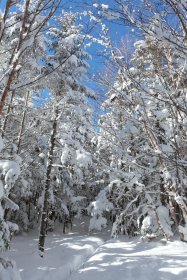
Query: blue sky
117, 32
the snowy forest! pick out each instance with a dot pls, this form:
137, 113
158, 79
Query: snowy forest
93, 134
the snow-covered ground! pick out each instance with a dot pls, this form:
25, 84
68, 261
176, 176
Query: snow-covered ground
64, 254
78, 256
126, 259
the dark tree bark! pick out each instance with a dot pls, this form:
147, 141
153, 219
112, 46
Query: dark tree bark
44, 216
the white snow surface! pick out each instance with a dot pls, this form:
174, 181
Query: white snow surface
9, 271
64, 253
132, 259
74, 256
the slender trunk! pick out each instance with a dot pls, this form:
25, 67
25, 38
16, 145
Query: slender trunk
36, 196
15, 59
43, 225
2, 27
22, 124
7, 114
162, 192
29, 210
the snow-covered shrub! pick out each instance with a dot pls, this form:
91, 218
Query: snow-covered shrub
9, 172
157, 223
8, 270
98, 210
150, 225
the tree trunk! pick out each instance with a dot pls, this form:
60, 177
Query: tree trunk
7, 114
16, 59
22, 124
2, 27
43, 225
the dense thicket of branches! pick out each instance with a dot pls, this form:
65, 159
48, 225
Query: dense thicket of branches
143, 135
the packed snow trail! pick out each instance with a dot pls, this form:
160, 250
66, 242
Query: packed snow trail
132, 259
64, 254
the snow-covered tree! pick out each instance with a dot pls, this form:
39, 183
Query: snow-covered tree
10, 171
23, 25
69, 157
154, 104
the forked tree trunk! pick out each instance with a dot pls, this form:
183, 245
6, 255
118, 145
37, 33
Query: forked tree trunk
44, 216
